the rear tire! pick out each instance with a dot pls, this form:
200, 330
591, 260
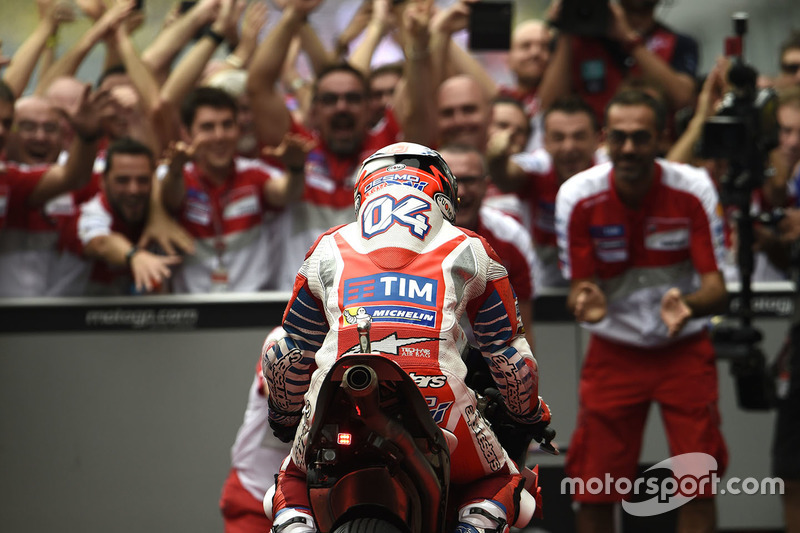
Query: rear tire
367, 525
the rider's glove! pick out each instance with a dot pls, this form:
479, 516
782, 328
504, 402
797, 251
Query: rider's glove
284, 425
513, 434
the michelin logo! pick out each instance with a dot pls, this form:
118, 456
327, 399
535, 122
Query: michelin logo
406, 315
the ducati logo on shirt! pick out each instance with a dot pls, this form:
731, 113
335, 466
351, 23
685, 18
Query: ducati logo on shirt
666, 234
241, 202
383, 212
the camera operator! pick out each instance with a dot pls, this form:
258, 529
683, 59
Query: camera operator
598, 49
786, 444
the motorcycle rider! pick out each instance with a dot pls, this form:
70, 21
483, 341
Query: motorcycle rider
421, 279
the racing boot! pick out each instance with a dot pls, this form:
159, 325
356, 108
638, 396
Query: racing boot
483, 516
293, 520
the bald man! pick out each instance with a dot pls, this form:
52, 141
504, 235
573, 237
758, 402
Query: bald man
36, 135
463, 113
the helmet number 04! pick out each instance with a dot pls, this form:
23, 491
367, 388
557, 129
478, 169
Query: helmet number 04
383, 212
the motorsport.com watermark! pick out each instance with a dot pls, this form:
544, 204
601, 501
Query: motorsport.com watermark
692, 474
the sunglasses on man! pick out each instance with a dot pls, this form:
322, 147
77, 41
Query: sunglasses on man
790, 68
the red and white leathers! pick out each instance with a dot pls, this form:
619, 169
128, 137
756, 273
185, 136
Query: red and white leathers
635, 256
226, 222
327, 198
256, 458
417, 276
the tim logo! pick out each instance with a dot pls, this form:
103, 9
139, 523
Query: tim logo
384, 211
390, 286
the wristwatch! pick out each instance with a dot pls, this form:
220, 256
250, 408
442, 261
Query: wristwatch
130, 254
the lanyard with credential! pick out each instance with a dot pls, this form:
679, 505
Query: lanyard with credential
219, 273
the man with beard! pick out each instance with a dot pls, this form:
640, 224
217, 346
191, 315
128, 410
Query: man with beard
640, 240
110, 224
571, 141
635, 45
24, 189
339, 124
221, 199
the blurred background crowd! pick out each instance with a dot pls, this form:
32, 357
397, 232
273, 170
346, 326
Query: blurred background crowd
203, 146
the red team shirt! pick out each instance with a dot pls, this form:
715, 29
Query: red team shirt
636, 255
226, 221
17, 182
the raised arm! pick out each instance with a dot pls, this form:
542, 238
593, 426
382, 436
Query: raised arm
68, 64
187, 73
678, 86
557, 80
380, 23
449, 58
507, 175
77, 171
683, 149
170, 41
145, 84
266, 100
288, 188
173, 187
51, 16
255, 18
415, 100
353, 29
316, 52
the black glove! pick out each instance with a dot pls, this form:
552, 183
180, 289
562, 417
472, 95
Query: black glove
284, 425
513, 435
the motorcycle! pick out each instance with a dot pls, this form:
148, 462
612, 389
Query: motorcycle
376, 459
